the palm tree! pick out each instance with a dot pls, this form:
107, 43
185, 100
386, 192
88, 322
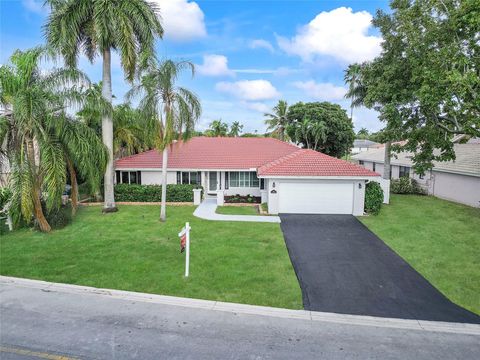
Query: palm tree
356, 90
277, 120
217, 128
235, 129
38, 149
95, 27
176, 108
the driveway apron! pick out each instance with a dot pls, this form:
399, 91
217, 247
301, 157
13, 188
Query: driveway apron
343, 267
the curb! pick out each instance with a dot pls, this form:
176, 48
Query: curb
420, 325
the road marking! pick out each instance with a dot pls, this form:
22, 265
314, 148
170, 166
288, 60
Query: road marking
37, 354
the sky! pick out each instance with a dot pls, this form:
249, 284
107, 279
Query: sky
248, 54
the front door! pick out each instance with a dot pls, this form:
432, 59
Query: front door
212, 181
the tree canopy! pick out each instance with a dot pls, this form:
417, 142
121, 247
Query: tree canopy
321, 126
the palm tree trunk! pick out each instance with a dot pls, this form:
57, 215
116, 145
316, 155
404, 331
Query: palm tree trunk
36, 190
163, 206
386, 161
107, 134
281, 133
74, 190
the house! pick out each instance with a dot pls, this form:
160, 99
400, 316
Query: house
289, 179
457, 180
361, 145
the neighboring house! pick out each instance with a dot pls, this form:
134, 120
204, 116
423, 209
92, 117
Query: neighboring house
289, 179
457, 180
361, 145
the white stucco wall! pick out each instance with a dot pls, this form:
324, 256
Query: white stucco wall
455, 187
155, 177
358, 197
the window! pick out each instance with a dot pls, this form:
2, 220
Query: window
373, 167
403, 171
242, 179
360, 162
189, 177
128, 177
262, 184
421, 176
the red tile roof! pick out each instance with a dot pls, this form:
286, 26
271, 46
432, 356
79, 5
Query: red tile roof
269, 156
305, 162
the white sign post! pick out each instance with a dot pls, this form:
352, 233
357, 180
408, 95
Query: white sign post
185, 234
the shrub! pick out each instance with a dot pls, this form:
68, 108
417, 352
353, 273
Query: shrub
57, 218
153, 193
405, 185
373, 198
242, 199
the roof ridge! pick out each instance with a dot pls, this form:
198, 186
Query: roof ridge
282, 159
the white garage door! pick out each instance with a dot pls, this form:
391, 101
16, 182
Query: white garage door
320, 197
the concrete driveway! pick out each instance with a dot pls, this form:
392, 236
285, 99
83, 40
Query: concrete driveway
343, 267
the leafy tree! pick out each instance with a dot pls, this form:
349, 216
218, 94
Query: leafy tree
363, 133
277, 120
176, 108
235, 129
95, 27
41, 143
426, 82
321, 126
356, 90
217, 128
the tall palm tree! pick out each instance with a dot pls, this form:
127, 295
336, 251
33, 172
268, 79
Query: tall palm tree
95, 27
37, 146
176, 108
235, 129
356, 90
217, 128
277, 120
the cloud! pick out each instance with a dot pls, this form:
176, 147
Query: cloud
182, 20
257, 106
214, 65
249, 89
261, 44
321, 91
35, 6
339, 33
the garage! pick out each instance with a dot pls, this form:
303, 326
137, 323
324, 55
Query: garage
316, 197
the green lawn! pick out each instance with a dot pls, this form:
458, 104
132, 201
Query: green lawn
439, 238
132, 250
237, 210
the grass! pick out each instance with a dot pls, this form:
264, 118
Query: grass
237, 210
132, 250
439, 238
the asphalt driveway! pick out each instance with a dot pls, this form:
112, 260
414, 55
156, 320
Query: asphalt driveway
344, 268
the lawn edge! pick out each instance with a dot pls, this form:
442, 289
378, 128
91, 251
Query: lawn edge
407, 324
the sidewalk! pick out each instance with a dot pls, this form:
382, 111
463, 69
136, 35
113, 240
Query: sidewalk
206, 210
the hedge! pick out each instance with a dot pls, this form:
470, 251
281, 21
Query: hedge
153, 193
373, 197
405, 185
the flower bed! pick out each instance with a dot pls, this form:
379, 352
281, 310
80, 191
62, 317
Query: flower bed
248, 199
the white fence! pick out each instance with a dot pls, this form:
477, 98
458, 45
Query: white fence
385, 184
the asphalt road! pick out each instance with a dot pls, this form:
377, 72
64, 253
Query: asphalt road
57, 325
343, 267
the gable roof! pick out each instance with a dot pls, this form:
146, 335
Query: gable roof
306, 162
267, 155
363, 143
467, 160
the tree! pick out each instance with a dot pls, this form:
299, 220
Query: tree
41, 144
235, 129
277, 121
95, 27
363, 133
426, 82
321, 126
176, 108
217, 128
356, 90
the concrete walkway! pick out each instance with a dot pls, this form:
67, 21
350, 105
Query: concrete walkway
206, 210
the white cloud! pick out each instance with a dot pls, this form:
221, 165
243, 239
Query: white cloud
249, 89
257, 106
321, 91
340, 33
35, 6
182, 20
214, 65
261, 44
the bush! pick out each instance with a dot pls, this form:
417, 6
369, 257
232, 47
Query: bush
57, 218
242, 199
153, 193
405, 185
373, 198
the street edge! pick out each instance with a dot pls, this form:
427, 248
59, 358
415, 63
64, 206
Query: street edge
407, 324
